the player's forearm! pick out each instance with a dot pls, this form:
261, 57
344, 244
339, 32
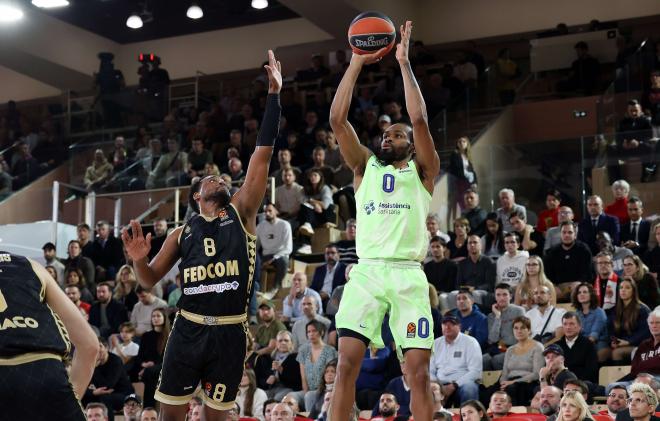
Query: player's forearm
270, 124
414, 100
82, 368
145, 274
342, 100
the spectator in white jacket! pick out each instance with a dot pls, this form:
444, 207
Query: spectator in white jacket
511, 265
275, 241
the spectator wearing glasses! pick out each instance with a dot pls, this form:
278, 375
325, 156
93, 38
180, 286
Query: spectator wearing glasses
647, 284
642, 403
606, 284
616, 401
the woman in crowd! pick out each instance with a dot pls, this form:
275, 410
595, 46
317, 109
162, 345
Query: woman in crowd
592, 317
522, 362
492, 243
314, 398
619, 208
317, 207
53, 273
533, 277
250, 398
647, 285
279, 372
652, 258
626, 322
473, 410
75, 277
149, 359
125, 289
461, 176
314, 356
573, 407
458, 244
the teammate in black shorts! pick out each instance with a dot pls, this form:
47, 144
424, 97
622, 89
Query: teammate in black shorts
217, 248
38, 323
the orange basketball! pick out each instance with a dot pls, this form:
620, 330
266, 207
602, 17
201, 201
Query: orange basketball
371, 31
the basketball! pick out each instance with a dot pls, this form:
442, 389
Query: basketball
371, 31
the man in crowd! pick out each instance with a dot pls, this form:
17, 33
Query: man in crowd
160, 234
616, 401
553, 234
507, 206
141, 314
500, 404
440, 271
530, 240
579, 351
545, 318
433, 227
644, 379
107, 251
549, 217
292, 305
511, 265
399, 388
606, 284
282, 412
500, 327
83, 231
568, 263
550, 398
554, 373
268, 328
388, 408
473, 212
132, 407
329, 276
456, 361
149, 414
107, 313
604, 244
50, 256
275, 241
309, 310
635, 233
289, 196
73, 292
96, 411
346, 247
477, 271
284, 163
643, 402
647, 356
597, 221
473, 322
633, 139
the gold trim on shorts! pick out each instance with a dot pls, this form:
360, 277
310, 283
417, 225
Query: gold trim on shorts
173, 400
29, 357
213, 320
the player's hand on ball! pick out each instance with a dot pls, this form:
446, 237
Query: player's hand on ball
137, 245
274, 69
402, 47
366, 59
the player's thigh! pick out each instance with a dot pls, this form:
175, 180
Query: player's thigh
411, 321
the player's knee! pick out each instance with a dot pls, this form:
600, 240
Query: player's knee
348, 365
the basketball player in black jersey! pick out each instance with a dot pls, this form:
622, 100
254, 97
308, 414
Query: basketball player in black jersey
217, 248
38, 324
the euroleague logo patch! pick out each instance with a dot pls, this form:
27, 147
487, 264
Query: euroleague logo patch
410, 330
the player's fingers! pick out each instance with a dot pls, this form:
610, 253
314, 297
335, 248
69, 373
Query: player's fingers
124, 235
148, 239
137, 229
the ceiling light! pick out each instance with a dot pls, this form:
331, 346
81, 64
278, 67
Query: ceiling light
9, 12
259, 4
194, 11
134, 21
47, 4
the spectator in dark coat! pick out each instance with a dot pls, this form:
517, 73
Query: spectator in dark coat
77, 261
115, 312
595, 221
329, 276
107, 250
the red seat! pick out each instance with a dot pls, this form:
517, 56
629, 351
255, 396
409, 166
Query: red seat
601, 417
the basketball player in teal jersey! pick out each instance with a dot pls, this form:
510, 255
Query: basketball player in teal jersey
217, 248
393, 195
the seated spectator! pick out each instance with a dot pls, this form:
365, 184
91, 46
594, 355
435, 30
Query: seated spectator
549, 401
604, 244
75, 278
619, 208
309, 313
573, 407
533, 277
110, 383
159, 236
643, 402
530, 240
508, 205
578, 350
456, 361
522, 362
626, 322
568, 263
473, 410
398, 387
500, 327
149, 414
275, 242
346, 246
647, 284
107, 250
371, 381
329, 276
476, 271
511, 265
122, 345
318, 160
545, 318
73, 292
132, 407
473, 213
284, 163
647, 355
125, 290
433, 227
633, 140
141, 316
289, 196
458, 244
492, 242
652, 258
388, 408
96, 411
267, 330
150, 355
549, 217
314, 398
554, 372
461, 176
472, 321
335, 299
170, 170
317, 207
553, 234
616, 401
283, 412
440, 271
606, 284
592, 318
107, 314
278, 373
597, 221
292, 305
84, 241
198, 158
78, 261
50, 256
636, 231
96, 174
312, 369
250, 398
642, 378
500, 404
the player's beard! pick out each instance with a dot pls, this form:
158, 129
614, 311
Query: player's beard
392, 155
220, 197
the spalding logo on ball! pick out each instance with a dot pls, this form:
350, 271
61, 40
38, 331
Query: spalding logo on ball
371, 31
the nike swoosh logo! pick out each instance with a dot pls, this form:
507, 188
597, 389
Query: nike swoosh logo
185, 238
362, 326
187, 387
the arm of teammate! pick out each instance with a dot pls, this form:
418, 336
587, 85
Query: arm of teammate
425, 153
248, 199
138, 246
355, 154
81, 334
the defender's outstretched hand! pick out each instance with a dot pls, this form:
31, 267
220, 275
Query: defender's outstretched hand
274, 69
402, 46
137, 245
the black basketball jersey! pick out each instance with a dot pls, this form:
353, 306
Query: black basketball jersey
217, 265
27, 323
